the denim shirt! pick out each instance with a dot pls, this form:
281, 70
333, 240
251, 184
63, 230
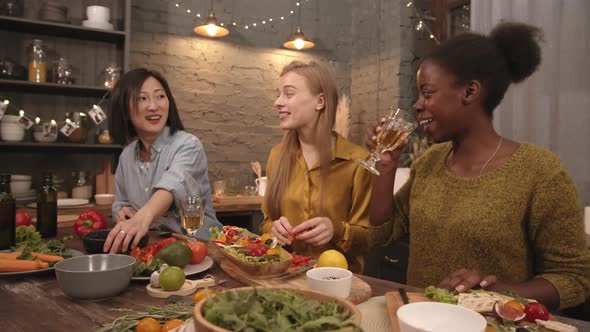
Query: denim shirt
174, 157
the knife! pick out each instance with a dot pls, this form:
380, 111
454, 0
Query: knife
403, 295
297, 271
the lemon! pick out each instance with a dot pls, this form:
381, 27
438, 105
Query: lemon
332, 258
172, 278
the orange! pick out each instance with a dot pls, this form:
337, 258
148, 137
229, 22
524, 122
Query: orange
148, 324
490, 328
515, 305
171, 324
202, 294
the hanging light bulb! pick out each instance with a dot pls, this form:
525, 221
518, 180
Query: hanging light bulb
211, 27
297, 40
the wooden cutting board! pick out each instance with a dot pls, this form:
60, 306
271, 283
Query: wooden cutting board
360, 291
394, 302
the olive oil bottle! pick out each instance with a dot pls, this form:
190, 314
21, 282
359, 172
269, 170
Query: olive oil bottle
7, 214
47, 207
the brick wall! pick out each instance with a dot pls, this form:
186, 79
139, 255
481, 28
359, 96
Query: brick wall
225, 88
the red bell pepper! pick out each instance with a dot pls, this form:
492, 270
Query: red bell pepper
88, 221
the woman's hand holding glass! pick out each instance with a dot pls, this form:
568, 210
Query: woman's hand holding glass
389, 159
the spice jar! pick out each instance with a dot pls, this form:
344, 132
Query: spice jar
38, 62
112, 75
82, 187
104, 137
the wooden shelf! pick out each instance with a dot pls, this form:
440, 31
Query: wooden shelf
60, 30
60, 147
52, 88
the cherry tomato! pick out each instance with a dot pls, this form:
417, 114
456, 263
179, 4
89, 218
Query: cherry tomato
535, 311
22, 219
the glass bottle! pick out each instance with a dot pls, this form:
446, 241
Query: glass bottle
38, 63
82, 188
7, 214
47, 207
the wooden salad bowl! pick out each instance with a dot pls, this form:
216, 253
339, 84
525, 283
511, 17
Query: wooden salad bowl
203, 325
264, 270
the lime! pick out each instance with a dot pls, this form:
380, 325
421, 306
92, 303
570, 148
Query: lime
172, 278
332, 258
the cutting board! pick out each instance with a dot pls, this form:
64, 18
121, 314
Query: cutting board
360, 291
394, 302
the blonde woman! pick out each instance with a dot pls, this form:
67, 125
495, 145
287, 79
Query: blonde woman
318, 195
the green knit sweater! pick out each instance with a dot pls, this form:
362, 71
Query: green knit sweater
521, 221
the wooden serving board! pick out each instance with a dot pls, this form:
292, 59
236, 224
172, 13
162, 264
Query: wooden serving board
394, 302
360, 291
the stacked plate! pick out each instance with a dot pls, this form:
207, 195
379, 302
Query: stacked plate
20, 185
54, 11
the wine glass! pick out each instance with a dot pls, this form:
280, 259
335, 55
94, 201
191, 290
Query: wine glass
192, 212
398, 125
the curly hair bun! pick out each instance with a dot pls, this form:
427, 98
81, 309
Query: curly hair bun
520, 45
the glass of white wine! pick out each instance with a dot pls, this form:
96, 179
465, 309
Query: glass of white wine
192, 212
397, 126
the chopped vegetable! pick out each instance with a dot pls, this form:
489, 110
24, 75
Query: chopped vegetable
441, 295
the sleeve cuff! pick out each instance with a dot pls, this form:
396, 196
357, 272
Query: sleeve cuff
570, 294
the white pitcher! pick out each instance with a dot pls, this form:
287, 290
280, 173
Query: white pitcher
261, 185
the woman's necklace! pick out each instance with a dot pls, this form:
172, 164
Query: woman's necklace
492, 157
484, 164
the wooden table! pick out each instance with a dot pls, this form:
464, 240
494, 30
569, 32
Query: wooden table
36, 303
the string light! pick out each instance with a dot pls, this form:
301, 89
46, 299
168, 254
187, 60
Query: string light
421, 25
249, 26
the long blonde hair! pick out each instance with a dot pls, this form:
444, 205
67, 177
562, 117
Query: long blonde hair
319, 80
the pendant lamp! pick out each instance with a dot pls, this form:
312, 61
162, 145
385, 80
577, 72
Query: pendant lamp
297, 40
211, 28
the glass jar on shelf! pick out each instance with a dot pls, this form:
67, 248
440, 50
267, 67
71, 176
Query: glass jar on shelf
38, 62
81, 188
104, 137
62, 72
112, 75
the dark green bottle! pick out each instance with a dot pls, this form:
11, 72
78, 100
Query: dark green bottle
7, 214
47, 207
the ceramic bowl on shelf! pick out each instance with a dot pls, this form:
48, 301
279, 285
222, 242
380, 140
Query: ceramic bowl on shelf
98, 25
20, 186
42, 138
98, 14
12, 132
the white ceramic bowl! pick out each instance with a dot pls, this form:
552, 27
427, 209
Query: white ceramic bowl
332, 280
104, 199
10, 119
20, 177
20, 186
40, 137
98, 13
11, 132
439, 317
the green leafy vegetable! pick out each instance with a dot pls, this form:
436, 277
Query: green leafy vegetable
271, 310
28, 239
441, 295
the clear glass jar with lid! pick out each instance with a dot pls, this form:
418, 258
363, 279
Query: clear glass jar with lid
112, 74
38, 62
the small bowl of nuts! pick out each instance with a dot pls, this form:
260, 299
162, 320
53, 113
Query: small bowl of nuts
332, 280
